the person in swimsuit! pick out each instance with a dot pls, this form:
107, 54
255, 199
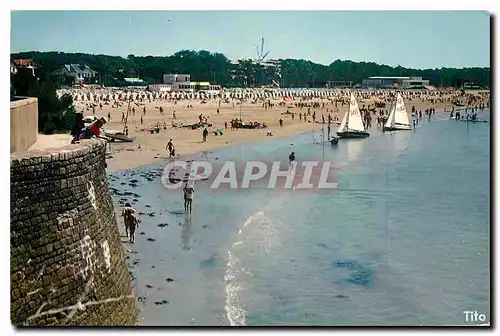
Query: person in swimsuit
127, 212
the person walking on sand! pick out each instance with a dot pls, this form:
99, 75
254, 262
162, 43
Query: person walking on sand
205, 134
127, 212
142, 120
170, 148
134, 223
188, 198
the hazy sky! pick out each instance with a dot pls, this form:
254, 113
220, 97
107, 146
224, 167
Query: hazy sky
412, 39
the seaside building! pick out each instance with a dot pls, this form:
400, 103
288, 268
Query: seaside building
339, 84
135, 83
160, 87
182, 82
396, 82
80, 73
28, 63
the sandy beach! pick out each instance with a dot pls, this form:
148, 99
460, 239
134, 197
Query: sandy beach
149, 148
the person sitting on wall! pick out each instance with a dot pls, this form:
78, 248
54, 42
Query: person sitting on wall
79, 125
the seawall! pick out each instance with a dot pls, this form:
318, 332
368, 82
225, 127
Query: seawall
67, 261
23, 123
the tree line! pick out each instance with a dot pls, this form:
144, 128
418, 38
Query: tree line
218, 69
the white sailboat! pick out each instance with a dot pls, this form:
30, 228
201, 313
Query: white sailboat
352, 124
398, 119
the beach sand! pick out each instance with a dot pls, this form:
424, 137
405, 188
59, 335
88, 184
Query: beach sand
150, 148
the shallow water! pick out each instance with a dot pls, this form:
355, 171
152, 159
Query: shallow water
403, 241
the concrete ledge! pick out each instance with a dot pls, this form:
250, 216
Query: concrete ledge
23, 123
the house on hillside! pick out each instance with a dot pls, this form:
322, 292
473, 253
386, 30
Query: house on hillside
27, 63
80, 73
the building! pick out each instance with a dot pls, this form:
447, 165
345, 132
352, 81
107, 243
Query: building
160, 88
80, 73
28, 63
183, 83
134, 83
395, 82
339, 84
172, 79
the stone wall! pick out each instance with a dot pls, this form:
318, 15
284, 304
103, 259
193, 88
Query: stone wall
23, 123
67, 261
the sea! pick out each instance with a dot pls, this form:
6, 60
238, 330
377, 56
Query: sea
403, 241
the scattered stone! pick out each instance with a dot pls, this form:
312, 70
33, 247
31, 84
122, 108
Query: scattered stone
141, 213
142, 233
340, 296
151, 214
133, 181
149, 286
123, 183
153, 266
204, 226
148, 206
169, 279
135, 200
162, 224
162, 302
141, 299
151, 239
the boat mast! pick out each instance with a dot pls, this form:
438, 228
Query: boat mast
126, 118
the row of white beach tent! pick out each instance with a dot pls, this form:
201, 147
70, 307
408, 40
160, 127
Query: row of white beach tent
237, 94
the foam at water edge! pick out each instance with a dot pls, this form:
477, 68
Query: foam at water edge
234, 313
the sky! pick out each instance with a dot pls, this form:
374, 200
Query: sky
415, 39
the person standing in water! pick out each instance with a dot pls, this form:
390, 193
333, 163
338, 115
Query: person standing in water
188, 198
127, 212
291, 158
134, 223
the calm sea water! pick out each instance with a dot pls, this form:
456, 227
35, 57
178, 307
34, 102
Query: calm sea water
403, 241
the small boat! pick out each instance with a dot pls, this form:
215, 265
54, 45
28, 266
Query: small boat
398, 119
117, 135
334, 141
352, 126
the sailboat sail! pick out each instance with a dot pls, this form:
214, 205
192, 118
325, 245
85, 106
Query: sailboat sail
390, 120
400, 115
355, 123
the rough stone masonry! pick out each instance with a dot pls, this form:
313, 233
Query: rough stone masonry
67, 261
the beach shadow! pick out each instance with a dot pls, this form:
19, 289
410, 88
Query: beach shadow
186, 231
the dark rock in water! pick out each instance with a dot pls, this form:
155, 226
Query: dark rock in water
346, 264
133, 185
151, 214
204, 226
162, 224
123, 183
148, 206
340, 296
141, 299
153, 266
135, 200
128, 193
149, 286
162, 302
142, 233
133, 181
151, 239
169, 279
137, 195
141, 213
362, 277
135, 262
121, 202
